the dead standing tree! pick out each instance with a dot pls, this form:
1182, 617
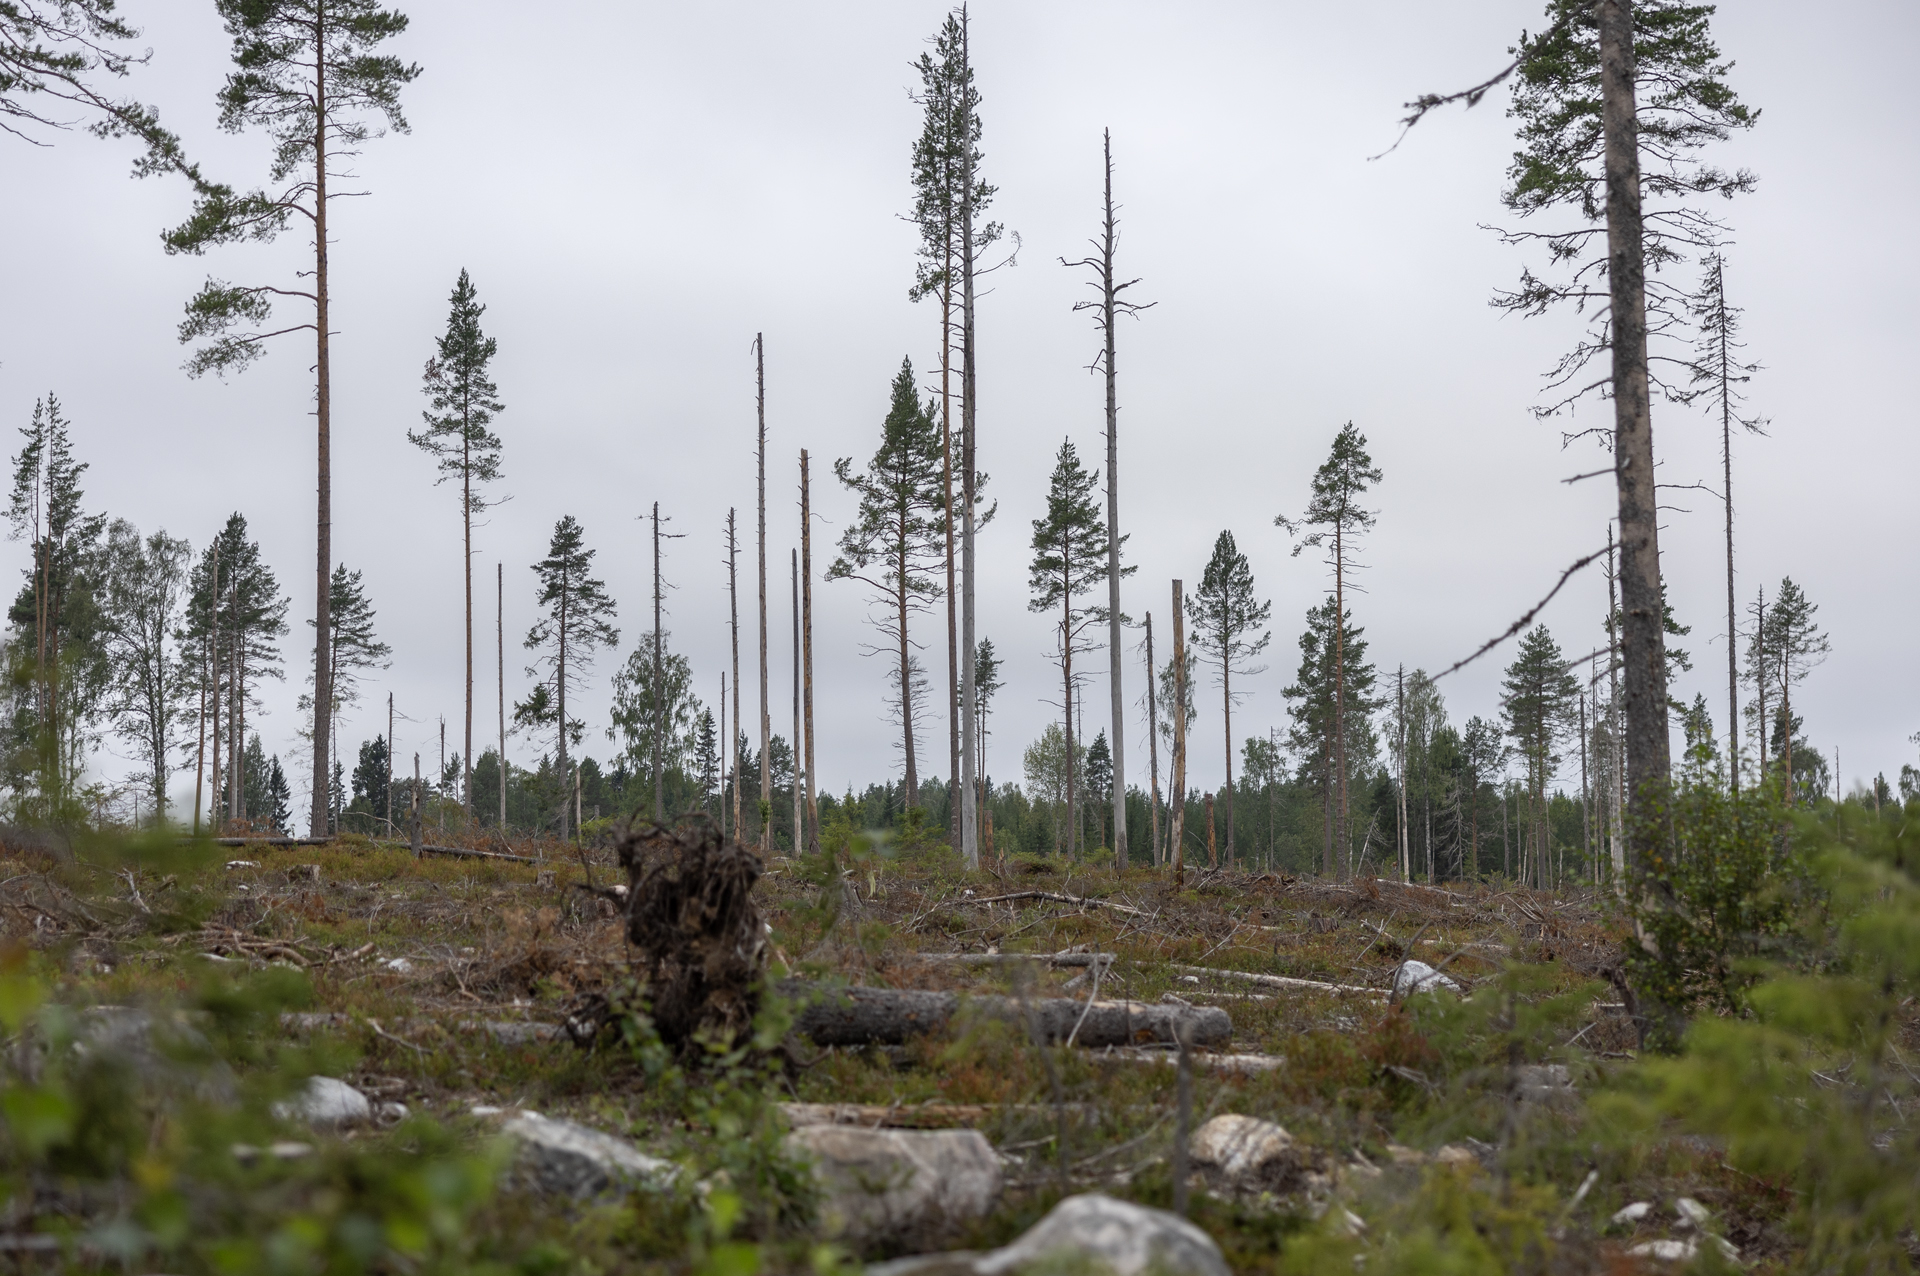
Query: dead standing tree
1106, 309
766, 702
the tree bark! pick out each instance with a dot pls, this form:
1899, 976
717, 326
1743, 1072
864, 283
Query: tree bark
1178, 830
659, 687
1153, 756
766, 703
323, 414
1648, 762
1226, 695
466, 565
500, 634
799, 815
806, 644
969, 417
1340, 697
1118, 735
1733, 628
733, 628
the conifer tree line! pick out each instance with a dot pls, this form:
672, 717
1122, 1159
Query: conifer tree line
135, 638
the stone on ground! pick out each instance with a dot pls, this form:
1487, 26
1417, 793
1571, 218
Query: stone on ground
1243, 1152
898, 1185
1417, 976
326, 1102
563, 1158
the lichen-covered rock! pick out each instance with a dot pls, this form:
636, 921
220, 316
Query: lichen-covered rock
1416, 976
1092, 1233
898, 1185
1244, 1153
563, 1158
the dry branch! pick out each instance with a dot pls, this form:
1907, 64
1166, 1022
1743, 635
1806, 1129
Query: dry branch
1282, 981
889, 1016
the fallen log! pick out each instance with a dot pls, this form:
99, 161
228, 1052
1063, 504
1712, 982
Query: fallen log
462, 852
1054, 897
889, 1016
1011, 959
1284, 981
923, 1116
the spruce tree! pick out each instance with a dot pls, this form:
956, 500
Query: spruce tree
279, 809
233, 620
57, 607
463, 403
352, 649
1225, 612
1537, 697
1338, 518
1331, 699
1791, 645
986, 681
576, 621
894, 542
307, 72
373, 776
706, 757
656, 716
1069, 559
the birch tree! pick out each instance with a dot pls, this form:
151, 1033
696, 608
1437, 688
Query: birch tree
308, 74
144, 585
463, 403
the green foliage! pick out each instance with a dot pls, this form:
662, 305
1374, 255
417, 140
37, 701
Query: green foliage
576, 620
462, 401
136, 1137
1726, 892
1811, 1089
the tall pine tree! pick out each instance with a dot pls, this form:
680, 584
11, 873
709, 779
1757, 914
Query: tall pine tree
463, 403
1225, 612
576, 621
1069, 559
306, 72
894, 542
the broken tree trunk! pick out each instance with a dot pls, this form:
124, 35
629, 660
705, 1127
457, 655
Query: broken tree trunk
889, 1016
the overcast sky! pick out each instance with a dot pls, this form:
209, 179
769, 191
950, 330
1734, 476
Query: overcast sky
639, 188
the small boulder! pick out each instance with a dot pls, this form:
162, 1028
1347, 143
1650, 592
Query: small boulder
1629, 1215
1416, 976
1546, 1085
1112, 1236
898, 1185
1243, 1152
326, 1102
564, 1158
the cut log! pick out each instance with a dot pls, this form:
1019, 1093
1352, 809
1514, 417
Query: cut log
890, 1016
1012, 959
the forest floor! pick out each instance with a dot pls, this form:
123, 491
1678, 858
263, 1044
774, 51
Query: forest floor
419, 966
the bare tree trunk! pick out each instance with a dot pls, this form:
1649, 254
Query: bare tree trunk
946, 489
237, 788
659, 687
1118, 738
766, 703
391, 759
799, 815
1760, 671
1226, 696
733, 627
969, 417
1643, 640
560, 681
1213, 858
1586, 796
466, 564
1400, 713
500, 636
1066, 656
1733, 628
323, 414
806, 644
1340, 698
217, 691
200, 753
1153, 756
1786, 726
1179, 734
1618, 859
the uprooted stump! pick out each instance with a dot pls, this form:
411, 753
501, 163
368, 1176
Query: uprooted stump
888, 1016
698, 933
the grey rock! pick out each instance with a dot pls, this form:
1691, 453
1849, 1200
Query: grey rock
898, 1185
1117, 1236
326, 1102
1090, 1232
563, 1158
1245, 1153
1546, 1084
1416, 976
